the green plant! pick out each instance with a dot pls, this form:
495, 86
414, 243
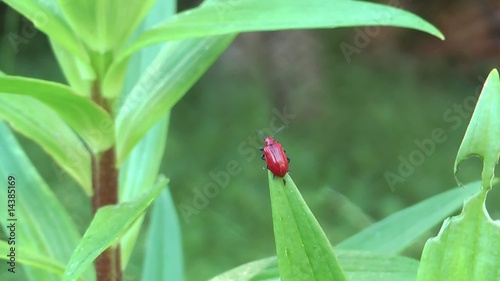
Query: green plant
107, 129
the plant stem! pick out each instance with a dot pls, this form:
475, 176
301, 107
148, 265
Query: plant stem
105, 187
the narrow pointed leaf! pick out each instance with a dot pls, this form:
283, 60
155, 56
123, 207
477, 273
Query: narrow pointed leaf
141, 168
47, 16
137, 174
39, 123
43, 225
29, 257
358, 266
219, 17
109, 223
90, 121
466, 248
303, 250
482, 137
163, 260
400, 230
163, 84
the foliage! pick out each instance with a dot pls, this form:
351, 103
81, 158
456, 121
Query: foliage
119, 99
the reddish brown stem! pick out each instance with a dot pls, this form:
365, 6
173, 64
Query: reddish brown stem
105, 187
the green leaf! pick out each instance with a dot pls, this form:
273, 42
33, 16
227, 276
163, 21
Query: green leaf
90, 121
138, 174
46, 15
482, 137
358, 266
43, 225
303, 250
80, 75
163, 260
264, 269
109, 223
32, 259
139, 171
163, 84
227, 17
101, 24
218, 17
398, 231
466, 248
39, 123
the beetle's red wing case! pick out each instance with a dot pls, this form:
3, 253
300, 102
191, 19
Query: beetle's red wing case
276, 159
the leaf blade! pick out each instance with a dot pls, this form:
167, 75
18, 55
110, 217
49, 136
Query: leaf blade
100, 23
399, 230
90, 121
172, 73
47, 129
482, 137
359, 266
109, 223
466, 248
215, 18
303, 250
37, 210
163, 260
47, 16
141, 167
220, 17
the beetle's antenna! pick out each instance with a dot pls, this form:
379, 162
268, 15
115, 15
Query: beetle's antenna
260, 133
280, 129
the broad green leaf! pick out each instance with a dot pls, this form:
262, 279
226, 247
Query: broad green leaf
90, 121
163, 84
46, 15
32, 259
43, 227
482, 137
398, 231
163, 260
218, 17
39, 123
358, 266
108, 225
105, 25
303, 250
466, 248
139, 171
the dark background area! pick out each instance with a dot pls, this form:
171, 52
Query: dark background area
355, 118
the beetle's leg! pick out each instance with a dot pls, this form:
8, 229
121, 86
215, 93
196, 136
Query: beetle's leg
263, 157
288, 159
261, 148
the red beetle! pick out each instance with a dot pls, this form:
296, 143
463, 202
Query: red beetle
275, 156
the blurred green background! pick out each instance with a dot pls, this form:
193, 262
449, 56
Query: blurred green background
352, 120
